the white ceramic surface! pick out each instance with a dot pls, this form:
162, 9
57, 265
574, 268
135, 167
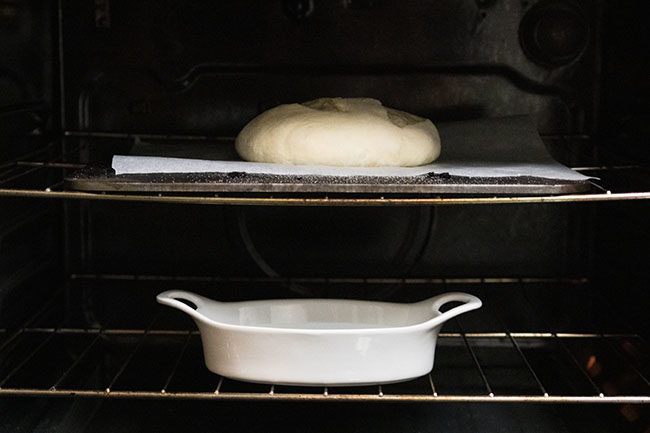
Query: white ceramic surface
319, 342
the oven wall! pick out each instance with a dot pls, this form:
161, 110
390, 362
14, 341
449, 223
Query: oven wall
625, 103
207, 68
478, 241
31, 251
621, 234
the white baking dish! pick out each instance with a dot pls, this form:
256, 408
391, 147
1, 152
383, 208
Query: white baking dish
322, 342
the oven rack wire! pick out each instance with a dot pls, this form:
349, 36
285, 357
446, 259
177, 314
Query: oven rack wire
227, 389
154, 362
40, 173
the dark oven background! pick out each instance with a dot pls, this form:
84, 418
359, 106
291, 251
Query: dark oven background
206, 68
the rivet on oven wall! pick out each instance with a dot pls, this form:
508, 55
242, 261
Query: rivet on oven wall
102, 14
298, 10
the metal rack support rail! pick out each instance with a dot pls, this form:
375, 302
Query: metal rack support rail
323, 201
324, 280
325, 395
426, 389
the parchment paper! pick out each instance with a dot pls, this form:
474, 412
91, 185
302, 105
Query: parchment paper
499, 147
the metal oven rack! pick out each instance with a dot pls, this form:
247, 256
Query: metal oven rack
45, 357
40, 174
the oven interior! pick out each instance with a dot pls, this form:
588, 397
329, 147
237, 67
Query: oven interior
561, 341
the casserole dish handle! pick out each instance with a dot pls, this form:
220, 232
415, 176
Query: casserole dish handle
171, 298
469, 303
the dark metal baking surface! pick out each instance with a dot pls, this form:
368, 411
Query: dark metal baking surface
55, 170
103, 179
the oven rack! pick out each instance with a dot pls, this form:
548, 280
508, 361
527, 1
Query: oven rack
175, 382
475, 361
41, 174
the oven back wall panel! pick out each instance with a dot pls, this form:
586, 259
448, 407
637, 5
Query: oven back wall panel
207, 68
481, 241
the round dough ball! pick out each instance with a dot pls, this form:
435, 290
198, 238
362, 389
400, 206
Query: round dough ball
339, 131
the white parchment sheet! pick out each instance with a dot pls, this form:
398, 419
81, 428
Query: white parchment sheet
498, 147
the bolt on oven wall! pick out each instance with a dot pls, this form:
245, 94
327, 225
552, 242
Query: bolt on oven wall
561, 340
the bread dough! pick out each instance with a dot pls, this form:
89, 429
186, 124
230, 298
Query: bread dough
341, 132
